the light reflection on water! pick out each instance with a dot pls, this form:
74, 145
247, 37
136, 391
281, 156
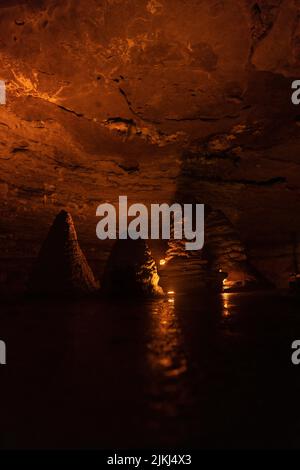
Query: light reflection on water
165, 348
168, 386
227, 304
171, 386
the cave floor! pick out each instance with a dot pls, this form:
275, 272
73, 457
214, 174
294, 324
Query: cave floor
194, 371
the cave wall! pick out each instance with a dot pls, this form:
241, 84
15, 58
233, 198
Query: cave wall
112, 97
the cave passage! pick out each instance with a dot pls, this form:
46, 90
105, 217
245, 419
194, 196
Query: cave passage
108, 342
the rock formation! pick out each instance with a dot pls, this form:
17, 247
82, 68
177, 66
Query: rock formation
131, 271
132, 98
61, 267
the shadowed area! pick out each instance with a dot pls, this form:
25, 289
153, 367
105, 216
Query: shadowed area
131, 271
61, 267
205, 373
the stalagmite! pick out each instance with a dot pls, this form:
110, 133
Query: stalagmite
131, 270
61, 267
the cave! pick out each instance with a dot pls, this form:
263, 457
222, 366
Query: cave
131, 343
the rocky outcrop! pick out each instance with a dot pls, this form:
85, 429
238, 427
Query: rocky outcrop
61, 267
134, 99
131, 271
222, 264
225, 250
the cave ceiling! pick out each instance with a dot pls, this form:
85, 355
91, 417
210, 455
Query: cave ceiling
160, 100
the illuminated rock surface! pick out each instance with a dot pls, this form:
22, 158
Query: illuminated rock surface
61, 266
131, 271
130, 97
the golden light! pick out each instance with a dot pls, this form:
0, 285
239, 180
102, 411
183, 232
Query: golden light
171, 292
226, 305
162, 262
226, 297
227, 285
226, 313
165, 349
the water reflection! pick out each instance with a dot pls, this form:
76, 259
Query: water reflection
226, 310
165, 348
227, 304
168, 385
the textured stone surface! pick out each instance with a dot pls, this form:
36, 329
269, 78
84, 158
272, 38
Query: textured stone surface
61, 267
131, 271
223, 258
131, 97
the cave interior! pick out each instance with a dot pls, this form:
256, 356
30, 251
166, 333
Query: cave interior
189, 104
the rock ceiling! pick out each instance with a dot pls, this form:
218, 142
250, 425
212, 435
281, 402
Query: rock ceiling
160, 100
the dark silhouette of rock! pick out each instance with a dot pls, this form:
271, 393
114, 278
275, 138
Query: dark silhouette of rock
61, 267
131, 271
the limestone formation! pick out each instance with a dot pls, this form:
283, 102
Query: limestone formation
131, 271
61, 267
134, 99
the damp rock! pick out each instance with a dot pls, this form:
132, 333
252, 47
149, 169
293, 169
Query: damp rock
61, 267
131, 271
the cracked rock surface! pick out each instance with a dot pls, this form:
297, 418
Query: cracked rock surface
116, 97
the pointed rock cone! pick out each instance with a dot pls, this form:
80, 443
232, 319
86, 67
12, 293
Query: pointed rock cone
61, 267
131, 271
